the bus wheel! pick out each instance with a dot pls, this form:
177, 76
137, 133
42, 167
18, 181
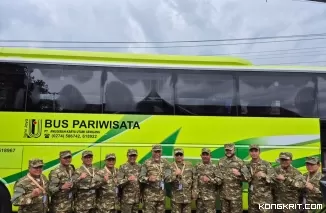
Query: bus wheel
5, 203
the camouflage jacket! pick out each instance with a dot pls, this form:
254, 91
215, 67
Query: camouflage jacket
288, 191
130, 190
206, 190
155, 191
314, 196
85, 198
61, 200
108, 192
22, 196
182, 185
260, 188
231, 188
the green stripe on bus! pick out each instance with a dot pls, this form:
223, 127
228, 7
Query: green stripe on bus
168, 150
110, 134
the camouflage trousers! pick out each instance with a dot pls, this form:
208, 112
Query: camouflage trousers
231, 206
154, 207
61, 211
33, 211
86, 211
106, 211
205, 206
129, 208
180, 207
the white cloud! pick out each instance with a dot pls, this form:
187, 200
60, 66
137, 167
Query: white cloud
164, 20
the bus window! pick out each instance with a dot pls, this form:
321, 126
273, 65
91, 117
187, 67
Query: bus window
205, 94
322, 96
138, 91
55, 88
13, 86
280, 95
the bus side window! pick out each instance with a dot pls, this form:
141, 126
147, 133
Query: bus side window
322, 95
56, 88
13, 87
138, 91
204, 93
278, 94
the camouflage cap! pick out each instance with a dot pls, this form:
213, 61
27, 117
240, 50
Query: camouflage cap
312, 160
86, 153
205, 150
178, 150
285, 155
36, 162
157, 147
132, 152
64, 154
110, 156
254, 146
229, 146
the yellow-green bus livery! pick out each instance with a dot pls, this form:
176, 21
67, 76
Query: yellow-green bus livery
53, 100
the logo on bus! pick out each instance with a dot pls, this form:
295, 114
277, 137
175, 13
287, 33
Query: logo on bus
33, 128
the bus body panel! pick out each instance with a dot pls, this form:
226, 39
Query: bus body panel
26, 135
29, 135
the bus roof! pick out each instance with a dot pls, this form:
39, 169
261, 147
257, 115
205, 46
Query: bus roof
82, 57
63, 55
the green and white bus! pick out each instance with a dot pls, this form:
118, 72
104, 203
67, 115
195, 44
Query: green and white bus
53, 100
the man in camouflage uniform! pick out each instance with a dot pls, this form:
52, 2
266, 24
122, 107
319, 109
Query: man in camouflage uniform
154, 173
31, 191
312, 193
206, 179
260, 183
182, 183
85, 181
107, 200
234, 172
129, 184
288, 183
60, 185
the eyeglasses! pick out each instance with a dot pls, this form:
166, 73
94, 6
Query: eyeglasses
179, 154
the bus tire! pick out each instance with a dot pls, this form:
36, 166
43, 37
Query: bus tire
5, 203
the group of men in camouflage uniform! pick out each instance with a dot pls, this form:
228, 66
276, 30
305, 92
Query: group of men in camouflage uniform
88, 189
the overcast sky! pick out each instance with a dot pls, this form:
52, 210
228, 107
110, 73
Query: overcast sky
168, 20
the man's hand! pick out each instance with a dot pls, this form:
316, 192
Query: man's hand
280, 177
204, 178
152, 178
83, 175
309, 186
66, 186
260, 174
236, 172
36, 192
178, 172
132, 178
